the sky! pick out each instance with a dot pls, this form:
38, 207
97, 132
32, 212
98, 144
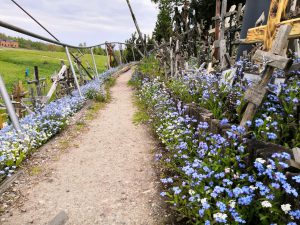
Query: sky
78, 21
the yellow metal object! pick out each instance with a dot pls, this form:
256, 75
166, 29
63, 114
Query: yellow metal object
258, 34
277, 11
266, 34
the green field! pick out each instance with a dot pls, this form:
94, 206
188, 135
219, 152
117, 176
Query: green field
13, 63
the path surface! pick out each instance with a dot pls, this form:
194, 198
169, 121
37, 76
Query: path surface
107, 179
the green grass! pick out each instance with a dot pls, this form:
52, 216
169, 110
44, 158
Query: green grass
13, 63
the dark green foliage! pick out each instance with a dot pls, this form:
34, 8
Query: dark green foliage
163, 28
205, 9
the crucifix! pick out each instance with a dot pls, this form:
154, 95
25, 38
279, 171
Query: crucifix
273, 59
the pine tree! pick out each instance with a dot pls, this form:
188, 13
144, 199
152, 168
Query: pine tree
163, 28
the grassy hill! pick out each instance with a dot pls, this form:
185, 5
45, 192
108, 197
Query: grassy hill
13, 63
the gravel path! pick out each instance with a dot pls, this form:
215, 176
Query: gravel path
107, 179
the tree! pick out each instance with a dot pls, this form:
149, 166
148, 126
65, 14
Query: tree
163, 28
205, 9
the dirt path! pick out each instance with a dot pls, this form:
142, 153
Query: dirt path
107, 179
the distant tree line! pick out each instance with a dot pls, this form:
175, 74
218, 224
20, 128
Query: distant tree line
41, 46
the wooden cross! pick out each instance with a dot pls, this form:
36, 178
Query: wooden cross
112, 53
55, 81
273, 59
37, 82
266, 33
18, 94
220, 42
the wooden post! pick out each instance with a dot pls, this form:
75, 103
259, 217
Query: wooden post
2, 121
121, 54
255, 95
177, 58
56, 80
18, 94
136, 25
37, 81
133, 54
171, 58
108, 61
217, 23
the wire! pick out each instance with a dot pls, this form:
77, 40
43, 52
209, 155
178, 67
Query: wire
46, 39
35, 20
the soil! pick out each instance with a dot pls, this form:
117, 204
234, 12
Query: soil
102, 173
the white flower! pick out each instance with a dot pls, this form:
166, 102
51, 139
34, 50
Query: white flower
269, 118
260, 160
253, 187
203, 201
270, 167
192, 192
236, 176
286, 208
232, 204
227, 170
266, 204
222, 216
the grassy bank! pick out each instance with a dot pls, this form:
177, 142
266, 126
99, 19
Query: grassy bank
13, 63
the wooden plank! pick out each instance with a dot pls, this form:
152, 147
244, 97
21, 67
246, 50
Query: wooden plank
257, 34
255, 95
282, 38
9, 180
273, 60
296, 152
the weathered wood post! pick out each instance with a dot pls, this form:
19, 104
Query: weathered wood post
9, 106
177, 56
18, 94
94, 61
121, 53
2, 120
73, 71
56, 79
107, 55
171, 58
137, 26
273, 59
37, 81
133, 54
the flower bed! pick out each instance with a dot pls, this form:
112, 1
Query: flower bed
39, 127
207, 179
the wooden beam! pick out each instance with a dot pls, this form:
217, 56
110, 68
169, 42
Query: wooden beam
258, 34
275, 61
